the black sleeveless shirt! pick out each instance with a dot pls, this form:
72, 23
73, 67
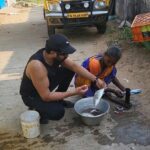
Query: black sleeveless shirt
27, 88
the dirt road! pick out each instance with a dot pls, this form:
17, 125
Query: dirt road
21, 34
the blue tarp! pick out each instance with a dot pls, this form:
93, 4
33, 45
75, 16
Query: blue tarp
2, 4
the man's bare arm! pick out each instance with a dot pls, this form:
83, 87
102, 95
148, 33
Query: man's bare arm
82, 72
38, 74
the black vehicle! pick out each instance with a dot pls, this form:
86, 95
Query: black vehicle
76, 13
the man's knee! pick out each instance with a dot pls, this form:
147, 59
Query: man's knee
60, 114
57, 114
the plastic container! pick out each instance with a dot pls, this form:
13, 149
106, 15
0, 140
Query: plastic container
30, 124
2, 4
141, 28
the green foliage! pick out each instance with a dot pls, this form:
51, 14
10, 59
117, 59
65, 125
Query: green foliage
31, 1
125, 34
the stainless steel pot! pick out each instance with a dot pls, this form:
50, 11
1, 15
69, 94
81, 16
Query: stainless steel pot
86, 103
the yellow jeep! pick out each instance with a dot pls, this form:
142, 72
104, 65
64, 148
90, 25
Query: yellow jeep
76, 13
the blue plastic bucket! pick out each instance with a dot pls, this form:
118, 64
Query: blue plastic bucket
2, 4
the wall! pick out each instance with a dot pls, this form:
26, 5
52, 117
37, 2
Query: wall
10, 2
134, 7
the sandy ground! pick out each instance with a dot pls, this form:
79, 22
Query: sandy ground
22, 32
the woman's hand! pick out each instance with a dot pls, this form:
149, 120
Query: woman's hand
100, 84
119, 94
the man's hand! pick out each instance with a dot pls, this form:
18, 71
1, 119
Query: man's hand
100, 84
81, 90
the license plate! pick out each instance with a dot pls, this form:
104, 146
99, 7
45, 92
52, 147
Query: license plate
77, 15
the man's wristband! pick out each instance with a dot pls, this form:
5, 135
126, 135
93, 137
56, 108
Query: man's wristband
95, 80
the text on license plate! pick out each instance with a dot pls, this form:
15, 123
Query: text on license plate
77, 15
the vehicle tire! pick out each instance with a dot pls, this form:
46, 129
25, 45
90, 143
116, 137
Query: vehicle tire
51, 30
44, 14
101, 28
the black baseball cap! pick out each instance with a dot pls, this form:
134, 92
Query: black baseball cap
60, 44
